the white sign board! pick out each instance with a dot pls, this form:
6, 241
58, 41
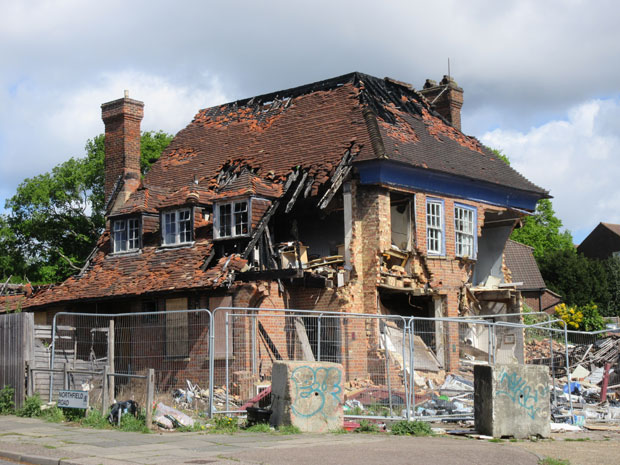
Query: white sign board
73, 399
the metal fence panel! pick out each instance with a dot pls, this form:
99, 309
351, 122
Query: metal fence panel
174, 343
371, 348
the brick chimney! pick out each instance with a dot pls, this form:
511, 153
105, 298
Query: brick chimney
122, 148
446, 99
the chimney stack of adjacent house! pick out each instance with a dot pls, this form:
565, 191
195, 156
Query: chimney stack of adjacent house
446, 99
122, 148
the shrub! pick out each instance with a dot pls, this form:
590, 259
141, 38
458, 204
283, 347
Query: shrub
6, 400
586, 318
411, 428
31, 407
73, 414
367, 427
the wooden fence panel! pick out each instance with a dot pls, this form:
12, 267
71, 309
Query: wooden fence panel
16, 347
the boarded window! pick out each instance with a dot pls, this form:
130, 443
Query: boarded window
177, 334
219, 326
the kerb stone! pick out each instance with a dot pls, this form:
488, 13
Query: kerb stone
512, 400
308, 395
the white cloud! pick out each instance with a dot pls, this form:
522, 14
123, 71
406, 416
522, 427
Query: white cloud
41, 128
576, 158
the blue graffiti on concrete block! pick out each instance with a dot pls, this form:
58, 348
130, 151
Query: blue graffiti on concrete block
523, 394
317, 391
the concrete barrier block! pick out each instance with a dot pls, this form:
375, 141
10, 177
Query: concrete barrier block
512, 400
308, 395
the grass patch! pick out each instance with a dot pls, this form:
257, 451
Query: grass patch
224, 457
551, 461
496, 440
411, 428
339, 431
197, 427
47, 446
224, 424
259, 428
94, 419
576, 439
137, 424
53, 414
289, 429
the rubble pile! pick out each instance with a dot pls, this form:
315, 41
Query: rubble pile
536, 350
589, 377
603, 351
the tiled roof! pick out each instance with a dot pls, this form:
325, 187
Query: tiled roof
310, 128
153, 269
615, 228
522, 264
253, 146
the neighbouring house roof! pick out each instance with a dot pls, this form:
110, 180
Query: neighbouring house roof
615, 228
522, 264
263, 145
602, 242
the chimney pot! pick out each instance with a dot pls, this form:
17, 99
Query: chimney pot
446, 99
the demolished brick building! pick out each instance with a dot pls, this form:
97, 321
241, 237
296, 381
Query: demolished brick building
353, 194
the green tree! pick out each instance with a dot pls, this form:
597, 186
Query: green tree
612, 268
578, 279
543, 231
12, 264
56, 218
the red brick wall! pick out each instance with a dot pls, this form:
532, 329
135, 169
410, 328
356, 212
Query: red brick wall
122, 141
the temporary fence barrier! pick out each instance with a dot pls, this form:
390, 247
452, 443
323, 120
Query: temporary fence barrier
393, 366
175, 344
371, 349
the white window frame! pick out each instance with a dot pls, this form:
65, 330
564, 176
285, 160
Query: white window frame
177, 227
435, 227
234, 219
125, 235
465, 230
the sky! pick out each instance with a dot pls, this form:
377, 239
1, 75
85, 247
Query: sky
541, 78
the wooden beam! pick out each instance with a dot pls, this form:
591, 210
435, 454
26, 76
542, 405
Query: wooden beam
300, 329
298, 189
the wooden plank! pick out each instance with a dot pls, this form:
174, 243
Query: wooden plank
300, 329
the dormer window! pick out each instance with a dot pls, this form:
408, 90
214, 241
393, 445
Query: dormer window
126, 235
232, 219
177, 227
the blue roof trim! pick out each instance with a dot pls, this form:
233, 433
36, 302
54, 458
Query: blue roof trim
389, 172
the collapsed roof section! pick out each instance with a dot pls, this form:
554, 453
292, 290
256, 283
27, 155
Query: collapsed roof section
258, 142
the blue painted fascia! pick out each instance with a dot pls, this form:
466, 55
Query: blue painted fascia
388, 172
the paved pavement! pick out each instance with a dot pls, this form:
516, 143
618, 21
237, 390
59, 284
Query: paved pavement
31, 441
37, 442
